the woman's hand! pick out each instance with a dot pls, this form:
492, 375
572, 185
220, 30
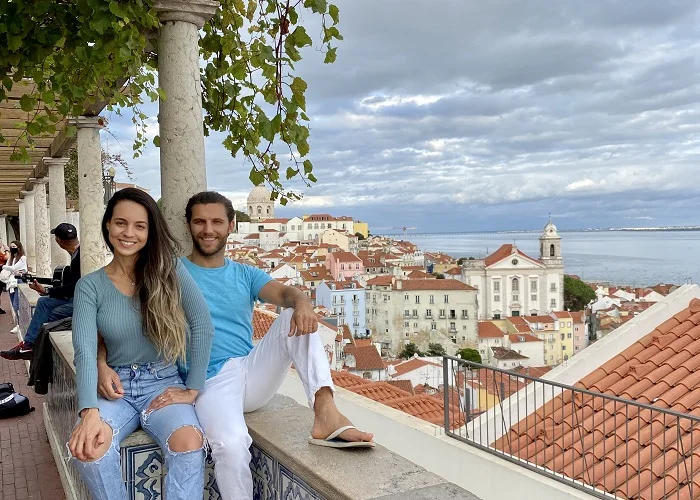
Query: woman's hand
89, 435
173, 395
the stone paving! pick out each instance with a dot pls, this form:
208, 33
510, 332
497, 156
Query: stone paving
27, 468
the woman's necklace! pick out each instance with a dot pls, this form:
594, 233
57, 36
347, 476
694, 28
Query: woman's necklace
132, 282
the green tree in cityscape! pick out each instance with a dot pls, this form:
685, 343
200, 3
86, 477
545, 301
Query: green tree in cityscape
577, 294
469, 354
82, 52
436, 350
109, 160
409, 351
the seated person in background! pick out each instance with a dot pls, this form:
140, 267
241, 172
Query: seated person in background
151, 315
4, 257
55, 302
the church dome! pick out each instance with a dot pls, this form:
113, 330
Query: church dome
550, 229
259, 194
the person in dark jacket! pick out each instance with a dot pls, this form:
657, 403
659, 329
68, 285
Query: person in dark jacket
55, 302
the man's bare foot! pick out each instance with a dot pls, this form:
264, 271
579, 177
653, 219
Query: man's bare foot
328, 419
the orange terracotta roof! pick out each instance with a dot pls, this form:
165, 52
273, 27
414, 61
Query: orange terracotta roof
404, 385
517, 339
362, 342
502, 253
262, 320
662, 369
562, 314
379, 391
434, 284
517, 320
539, 319
347, 380
455, 271
532, 371
489, 330
275, 221
429, 408
345, 257
420, 274
503, 353
380, 280
410, 365
366, 358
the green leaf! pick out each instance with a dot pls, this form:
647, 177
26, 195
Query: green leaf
334, 13
308, 167
252, 5
298, 85
311, 177
256, 177
330, 56
291, 173
238, 70
156, 141
33, 128
27, 103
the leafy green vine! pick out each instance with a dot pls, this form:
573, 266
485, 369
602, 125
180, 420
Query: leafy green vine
66, 58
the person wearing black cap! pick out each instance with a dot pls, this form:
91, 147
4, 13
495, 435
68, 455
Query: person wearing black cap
55, 302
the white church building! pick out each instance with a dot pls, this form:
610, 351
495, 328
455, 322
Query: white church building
512, 283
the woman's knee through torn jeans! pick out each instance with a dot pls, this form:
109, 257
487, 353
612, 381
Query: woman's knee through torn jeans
142, 384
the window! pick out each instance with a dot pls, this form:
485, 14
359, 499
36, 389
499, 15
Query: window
316, 226
433, 325
415, 313
405, 297
407, 334
533, 286
515, 297
577, 339
406, 324
447, 299
415, 325
553, 303
428, 313
453, 314
453, 327
367, 375
551, 357
432, 299
553, 287
533, 298
568, 335
417, 299
568, 324
515, 285
464, 338
562, 336
406, 313
465, 314
497, 286
442, 313
552, 252
496, 298
563, 348
496, 316
576, 348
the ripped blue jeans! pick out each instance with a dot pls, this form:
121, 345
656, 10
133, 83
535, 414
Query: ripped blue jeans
142, 383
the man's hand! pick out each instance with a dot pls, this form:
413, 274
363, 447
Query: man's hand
304, 320
38, 287
173, 395
108, 384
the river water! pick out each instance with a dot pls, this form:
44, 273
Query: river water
638, 258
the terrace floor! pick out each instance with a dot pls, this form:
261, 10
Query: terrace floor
26, 464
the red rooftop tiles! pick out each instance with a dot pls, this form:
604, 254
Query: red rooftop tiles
630, 452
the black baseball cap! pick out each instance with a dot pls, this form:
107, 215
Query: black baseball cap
65, 231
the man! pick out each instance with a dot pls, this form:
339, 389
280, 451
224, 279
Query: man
55, 302
243, 378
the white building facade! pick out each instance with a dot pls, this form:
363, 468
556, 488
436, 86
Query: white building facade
511, 283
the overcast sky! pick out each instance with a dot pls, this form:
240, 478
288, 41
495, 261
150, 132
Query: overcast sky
465, 114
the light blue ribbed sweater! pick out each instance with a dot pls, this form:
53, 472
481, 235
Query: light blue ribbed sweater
99, 305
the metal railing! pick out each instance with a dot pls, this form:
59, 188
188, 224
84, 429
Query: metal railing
602, 444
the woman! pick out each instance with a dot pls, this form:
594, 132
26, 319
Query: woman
142, 303
16, 265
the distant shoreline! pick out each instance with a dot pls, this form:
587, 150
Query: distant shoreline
537, 231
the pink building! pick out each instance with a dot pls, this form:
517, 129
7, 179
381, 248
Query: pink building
344, 265
580, 331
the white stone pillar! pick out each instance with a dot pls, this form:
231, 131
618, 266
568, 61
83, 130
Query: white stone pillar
90, 192
57, 206
3, 229
22, 221
73, 217
29, 238
182, 167
42, 240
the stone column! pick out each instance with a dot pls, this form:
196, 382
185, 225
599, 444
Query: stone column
42, 236
29, 235
22, 221
182, 167
90, 192
73, 217
3, 229
57, 206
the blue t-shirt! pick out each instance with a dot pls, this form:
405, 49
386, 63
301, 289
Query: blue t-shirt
230, 292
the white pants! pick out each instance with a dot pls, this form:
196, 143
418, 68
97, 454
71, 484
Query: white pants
248, 383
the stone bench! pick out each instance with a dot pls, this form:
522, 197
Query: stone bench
284, 465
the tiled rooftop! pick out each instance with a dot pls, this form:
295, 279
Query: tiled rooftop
589, 444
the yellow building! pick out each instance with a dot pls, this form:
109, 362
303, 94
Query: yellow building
566, 333
362, 228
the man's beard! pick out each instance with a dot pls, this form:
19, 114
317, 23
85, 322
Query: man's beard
201, 251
